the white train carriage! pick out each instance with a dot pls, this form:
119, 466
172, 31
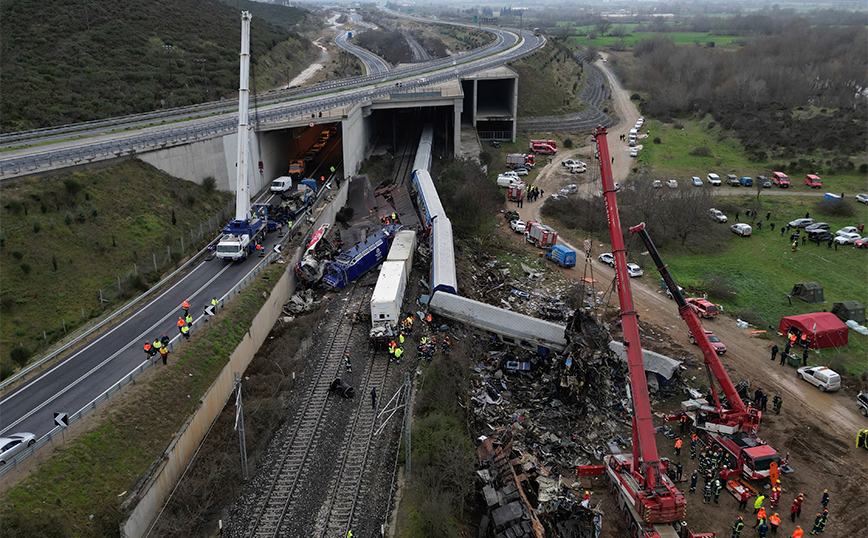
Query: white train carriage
513, 328
423, 152
402, 249
442, 275
388, 296
427, 199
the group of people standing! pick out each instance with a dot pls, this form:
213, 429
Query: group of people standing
160, 345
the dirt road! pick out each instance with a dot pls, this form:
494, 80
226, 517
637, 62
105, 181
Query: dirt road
817, 430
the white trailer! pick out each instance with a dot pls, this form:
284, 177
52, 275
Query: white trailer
402, 249
388, 294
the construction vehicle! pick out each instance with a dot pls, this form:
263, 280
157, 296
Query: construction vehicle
360, 259
650, 503
562, 256
296, 168
733, 428
547, 147
540, 235
520, 159
244, 233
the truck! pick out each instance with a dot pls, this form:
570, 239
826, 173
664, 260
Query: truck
562, 256
281, 184
540, 235
546, 147
296, 168
361, 258
515, 192
520, 159
240, 238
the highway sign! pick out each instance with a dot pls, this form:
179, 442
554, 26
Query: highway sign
62, 420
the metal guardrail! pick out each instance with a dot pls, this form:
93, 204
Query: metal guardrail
38, 364
49, 437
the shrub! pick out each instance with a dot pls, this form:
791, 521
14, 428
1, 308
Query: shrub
839, 208
2, 239
174, 219
5, 370
37, 226
657, 140
719, 287
678, 125
209, 184
702, 151
568, 142
72, 186
19, 355
54, 262
25, 268
81, 215
190, 199
68, 218
94, 211
14, 206
863, 168
17, 254
635, 97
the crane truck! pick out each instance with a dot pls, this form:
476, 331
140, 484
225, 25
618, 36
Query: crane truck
650, 503
244, 233
733, 429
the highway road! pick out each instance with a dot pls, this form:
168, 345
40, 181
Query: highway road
374, 65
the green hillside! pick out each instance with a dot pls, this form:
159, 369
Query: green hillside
65, 62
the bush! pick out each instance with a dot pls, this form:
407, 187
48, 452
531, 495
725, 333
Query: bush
6, 370
839, 208
25, 268
37, 226
568, 142
17, 254
657, 140
68, 218
72, 186
174, 219
863, 168
702, 151
94, 211
209, 184
635, 97
19, 355
81, 215
719, 287
486, 157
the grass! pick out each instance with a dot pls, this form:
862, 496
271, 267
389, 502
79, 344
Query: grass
679, 38
88, 475
672, 157
94, 226
549, 82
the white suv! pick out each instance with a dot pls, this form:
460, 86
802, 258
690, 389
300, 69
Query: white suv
714, 180
717, 215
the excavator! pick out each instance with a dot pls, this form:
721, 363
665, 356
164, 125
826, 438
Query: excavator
734, 428
650, 503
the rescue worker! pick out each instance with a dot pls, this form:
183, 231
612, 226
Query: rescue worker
743, 497
775, 497
185, 332
798, 532
774, 351
682, 422
180, 324
401, 339
188, 319
394, 217
164, 354
817, 520
350, 534
824, 520
706, 493
693, 441
347, 365
165, 340
214, 299
398, 352
760, 516
679, 469
693, 478
825, 500
777, 402
156, 345
793, 509
758, 503
446, 345
186, 306
800, 499
678, 444
148, 350
736, 529
763, 528
717, 487
430, 324
774, 521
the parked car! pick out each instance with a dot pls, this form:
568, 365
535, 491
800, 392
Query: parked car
518, 226
862, 198
14, 444
746, 181
719, 347
607, 258
696, 181
847, 239
504, 180
781, 180
861, 243
764, 181
634, 270
510, 173
672, 184
847, 230
520, 171
713, 180
732, 180
578, 168
617, 186
572, 188
657, 184
634, 152
813, 181
568, 162
822, 377
820, 236
717, 215
801, 223
818, 226
741, 229
862, 400
703, 307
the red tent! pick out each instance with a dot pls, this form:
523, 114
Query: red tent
823, 328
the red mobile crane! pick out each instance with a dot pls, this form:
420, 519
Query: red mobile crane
650, 502
733, 429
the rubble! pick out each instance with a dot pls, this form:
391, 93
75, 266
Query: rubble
300, 303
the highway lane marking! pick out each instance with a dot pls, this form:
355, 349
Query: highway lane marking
106, 361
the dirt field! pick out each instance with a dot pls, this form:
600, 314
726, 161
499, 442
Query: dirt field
817, 429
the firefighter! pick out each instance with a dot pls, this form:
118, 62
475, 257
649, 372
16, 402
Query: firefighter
824, 520
678, 444
706, 493
793, 509
717, 487
682, 422
347, 365
763, 528
693, 441
693, 478
447, 345
164, 340
156, 345
430, 323
777, 402
185, 332
817, 520
736, 529
148, 350
180, 324
800, 499
164, 354
825, 500
774, 521
775, 497
743, 497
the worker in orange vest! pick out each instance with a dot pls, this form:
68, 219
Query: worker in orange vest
148, 352
798, 532
774, 521
186, 306
678, 444
761, 515
181, 323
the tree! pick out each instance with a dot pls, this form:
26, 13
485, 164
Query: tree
603, 26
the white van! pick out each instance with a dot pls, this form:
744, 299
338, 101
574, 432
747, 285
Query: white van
507, 181
822, 377
281, 184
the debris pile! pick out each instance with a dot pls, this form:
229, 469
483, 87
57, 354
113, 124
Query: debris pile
300, 303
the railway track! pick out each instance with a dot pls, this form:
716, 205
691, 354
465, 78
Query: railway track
301, 443
406, 156
346, 490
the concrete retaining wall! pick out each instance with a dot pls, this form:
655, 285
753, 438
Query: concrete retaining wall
179, 453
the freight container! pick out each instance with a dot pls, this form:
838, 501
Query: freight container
388, 294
